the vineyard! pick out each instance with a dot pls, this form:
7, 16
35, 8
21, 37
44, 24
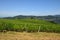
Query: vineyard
28, 25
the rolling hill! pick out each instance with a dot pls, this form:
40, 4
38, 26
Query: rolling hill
51, 18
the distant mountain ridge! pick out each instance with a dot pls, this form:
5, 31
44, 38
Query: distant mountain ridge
54, 18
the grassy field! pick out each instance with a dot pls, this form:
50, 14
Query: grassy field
28, 29
28, 25
29, 36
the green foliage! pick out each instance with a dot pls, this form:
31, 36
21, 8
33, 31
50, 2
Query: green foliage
28, 25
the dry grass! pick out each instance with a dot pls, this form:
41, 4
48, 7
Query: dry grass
29, 36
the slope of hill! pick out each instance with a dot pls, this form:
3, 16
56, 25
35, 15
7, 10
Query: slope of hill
29, 25
54, 18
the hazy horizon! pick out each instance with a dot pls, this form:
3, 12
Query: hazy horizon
29, 7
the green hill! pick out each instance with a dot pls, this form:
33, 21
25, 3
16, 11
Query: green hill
54, 18
28, 25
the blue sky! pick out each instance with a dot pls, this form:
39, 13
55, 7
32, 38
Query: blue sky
29, 7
